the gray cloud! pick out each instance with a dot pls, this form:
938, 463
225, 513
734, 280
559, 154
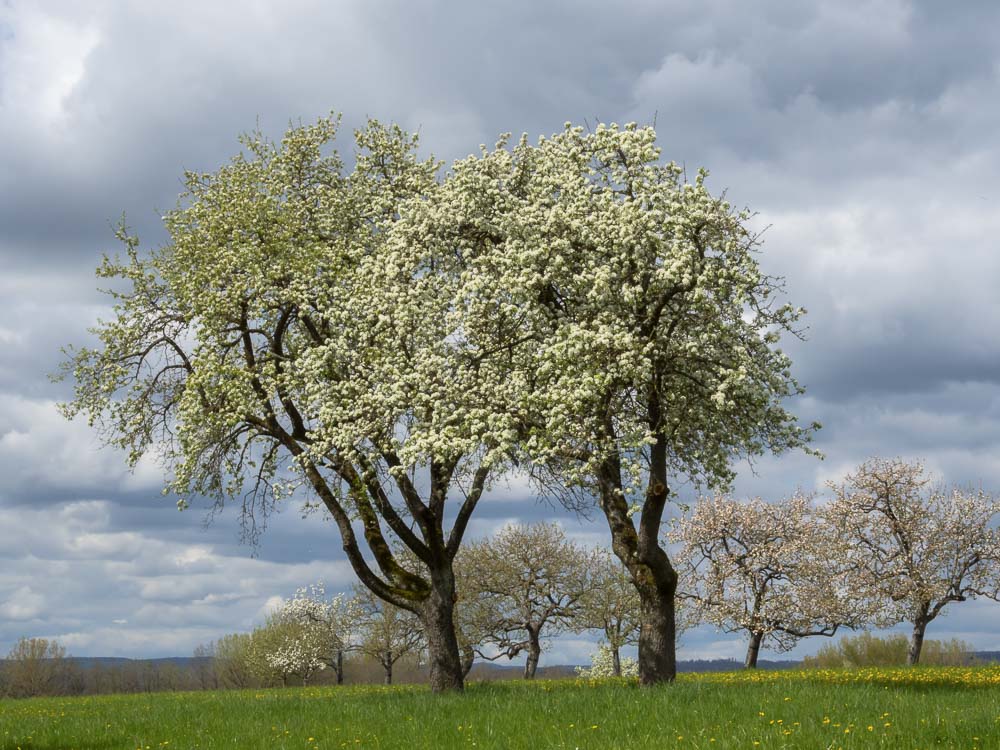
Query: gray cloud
863, 133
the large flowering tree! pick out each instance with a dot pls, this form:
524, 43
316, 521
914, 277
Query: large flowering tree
282, 343
647, 351
773, 571
916, 547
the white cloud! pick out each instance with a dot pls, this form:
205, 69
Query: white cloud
863, 131
44, 59
22, 604
81, 574
41, 451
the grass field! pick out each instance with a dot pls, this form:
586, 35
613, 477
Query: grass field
891, 708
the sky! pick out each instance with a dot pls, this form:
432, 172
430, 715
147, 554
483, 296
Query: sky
864, 134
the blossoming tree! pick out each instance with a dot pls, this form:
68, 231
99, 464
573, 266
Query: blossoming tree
329, 626
647, 348
604, 663
915, 547
771, 570
281, 343
520, 585
610, 606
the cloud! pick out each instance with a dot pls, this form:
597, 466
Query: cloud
66, 574
43, 456
22, 604
862, 132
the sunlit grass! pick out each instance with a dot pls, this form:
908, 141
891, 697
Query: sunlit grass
892, 708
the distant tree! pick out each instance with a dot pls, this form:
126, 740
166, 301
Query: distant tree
523, 583
611, 606
606, 663
915, 547
34, 667
329, 625
277, 651
233, 661
387, 633
867, 650
770, 570
204, 666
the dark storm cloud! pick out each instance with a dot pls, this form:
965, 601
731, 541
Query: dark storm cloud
863, 133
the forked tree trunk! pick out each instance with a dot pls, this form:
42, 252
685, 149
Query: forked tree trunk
753, 650
656, 582
534, 654
647, 563
916, 641
437, 616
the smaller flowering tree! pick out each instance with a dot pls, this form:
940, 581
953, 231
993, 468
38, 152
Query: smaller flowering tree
611, 606
328, 627
277, 651
607, 662
771, 570
522, 582
294, 652
915, 548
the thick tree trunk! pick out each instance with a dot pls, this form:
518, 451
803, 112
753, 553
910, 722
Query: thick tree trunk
916, 641
534, 654
339, 668
616, 661
658, 631
753, 650
437, 615
387, 664
656, 582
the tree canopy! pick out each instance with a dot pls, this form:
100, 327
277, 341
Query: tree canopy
647, 331
384, 342
283, 342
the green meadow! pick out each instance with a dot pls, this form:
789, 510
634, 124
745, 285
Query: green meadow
871, 708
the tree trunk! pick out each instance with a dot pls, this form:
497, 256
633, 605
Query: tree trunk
340, 667
916, 641
616, 661
753, 650
468, 659
647, 563
657, 632
437, 615
387, 663
534, 653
